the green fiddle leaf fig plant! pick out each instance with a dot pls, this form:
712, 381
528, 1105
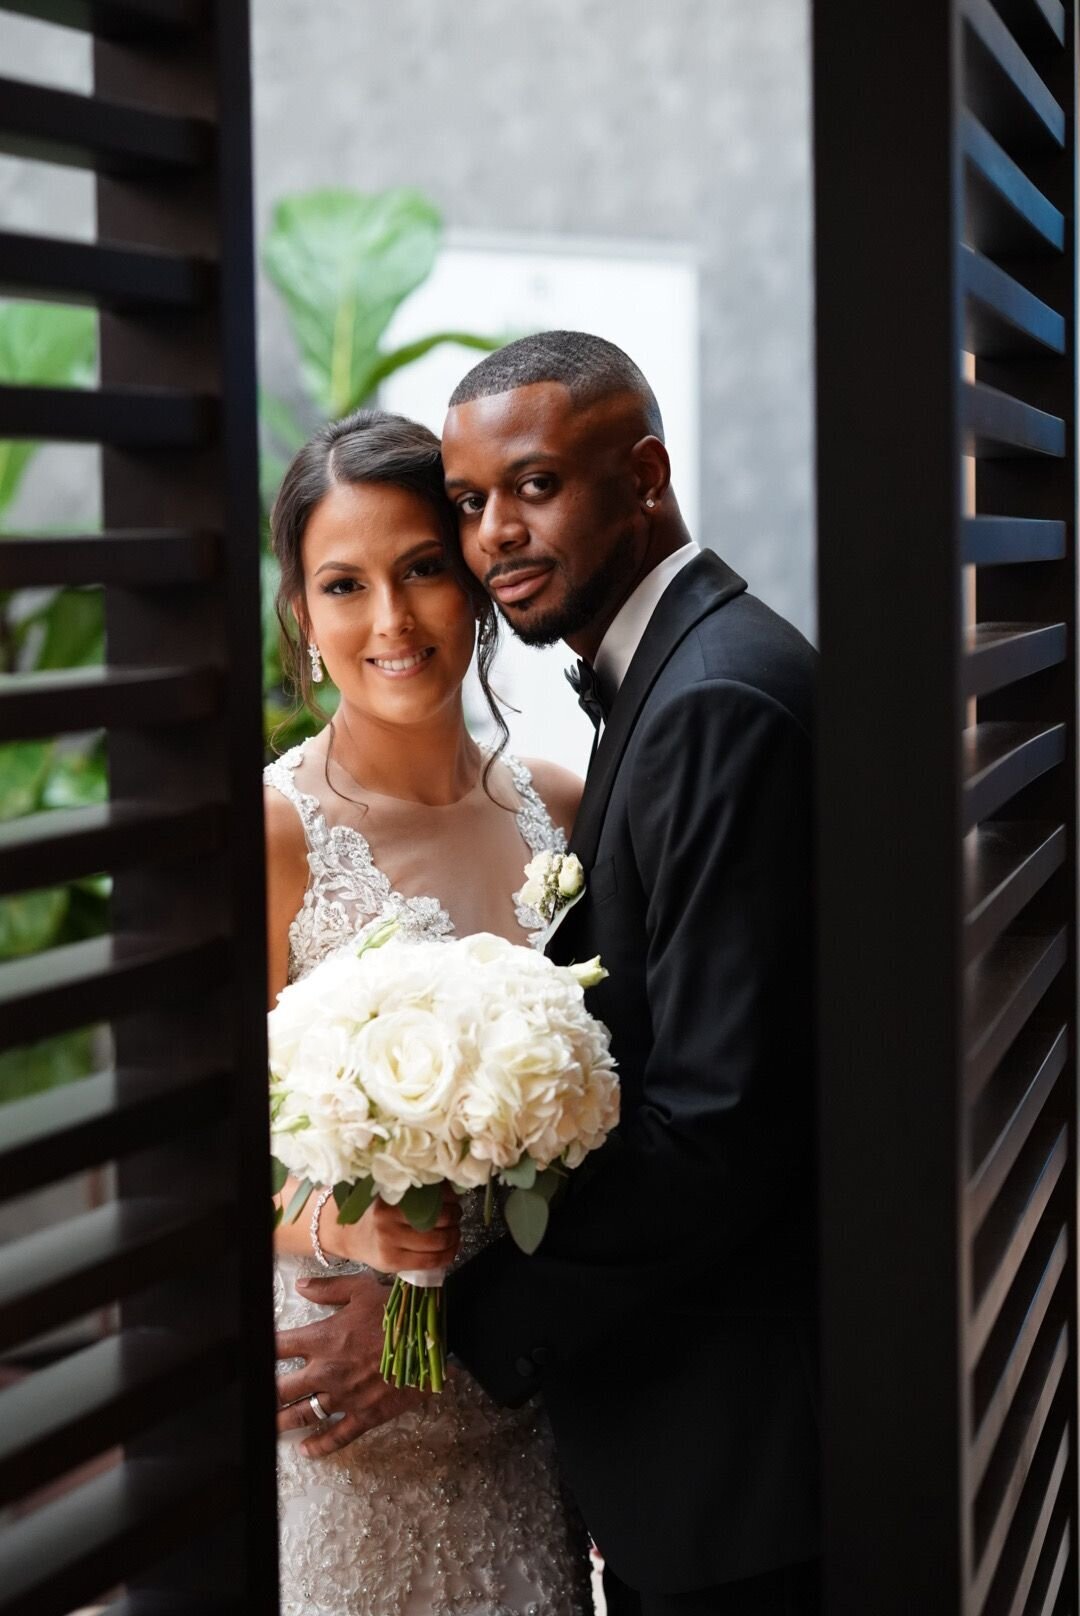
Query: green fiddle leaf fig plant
47, 345
343, 263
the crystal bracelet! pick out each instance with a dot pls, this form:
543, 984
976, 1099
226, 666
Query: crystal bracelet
320, 1254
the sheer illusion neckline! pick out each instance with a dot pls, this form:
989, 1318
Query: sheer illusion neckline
404, 804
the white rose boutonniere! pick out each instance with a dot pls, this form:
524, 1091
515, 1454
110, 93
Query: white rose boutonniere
554, 882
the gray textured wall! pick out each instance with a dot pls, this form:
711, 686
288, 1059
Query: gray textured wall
686, 123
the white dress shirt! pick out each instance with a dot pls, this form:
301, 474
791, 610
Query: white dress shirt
632, 619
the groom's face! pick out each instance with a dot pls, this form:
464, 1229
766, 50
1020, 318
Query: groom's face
547, 504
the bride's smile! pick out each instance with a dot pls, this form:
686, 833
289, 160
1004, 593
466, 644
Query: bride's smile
393, 625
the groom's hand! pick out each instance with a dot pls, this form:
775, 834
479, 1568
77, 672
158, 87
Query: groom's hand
341, 1367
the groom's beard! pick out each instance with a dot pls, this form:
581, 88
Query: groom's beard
581, 605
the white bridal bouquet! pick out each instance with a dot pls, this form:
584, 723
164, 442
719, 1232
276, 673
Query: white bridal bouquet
403, 1066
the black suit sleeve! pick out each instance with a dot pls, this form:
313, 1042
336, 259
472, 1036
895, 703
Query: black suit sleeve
719, 818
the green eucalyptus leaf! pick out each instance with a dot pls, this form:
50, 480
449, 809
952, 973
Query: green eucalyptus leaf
278, 1174
548, 1183
358, 1198
526, 1214
522, 1176
299, 1200
343, 263
421, 1205
278, 1215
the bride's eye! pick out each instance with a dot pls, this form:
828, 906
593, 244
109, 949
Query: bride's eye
430, 567
340, 586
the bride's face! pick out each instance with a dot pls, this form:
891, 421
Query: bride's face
393, 625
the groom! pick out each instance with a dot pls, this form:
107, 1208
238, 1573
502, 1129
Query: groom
668, 1317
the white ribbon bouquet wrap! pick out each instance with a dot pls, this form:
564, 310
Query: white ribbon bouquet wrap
400, 1067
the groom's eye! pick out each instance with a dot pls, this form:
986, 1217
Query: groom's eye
537, 485
470, 505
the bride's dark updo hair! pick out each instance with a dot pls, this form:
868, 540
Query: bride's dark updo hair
369, 446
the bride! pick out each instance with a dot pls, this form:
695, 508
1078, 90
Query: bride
454, 1506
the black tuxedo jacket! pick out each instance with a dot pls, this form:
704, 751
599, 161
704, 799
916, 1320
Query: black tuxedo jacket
668, 1317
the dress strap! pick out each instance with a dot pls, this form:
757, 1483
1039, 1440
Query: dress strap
538, 831
279, 774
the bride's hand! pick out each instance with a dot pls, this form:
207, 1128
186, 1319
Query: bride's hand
385, 1239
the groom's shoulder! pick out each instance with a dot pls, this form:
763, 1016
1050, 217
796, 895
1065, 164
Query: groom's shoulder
745, 643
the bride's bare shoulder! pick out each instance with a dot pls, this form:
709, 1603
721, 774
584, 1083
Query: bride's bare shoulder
559, 789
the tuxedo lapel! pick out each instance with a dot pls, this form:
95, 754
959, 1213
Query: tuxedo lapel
703, 585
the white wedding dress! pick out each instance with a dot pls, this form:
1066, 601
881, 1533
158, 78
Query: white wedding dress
455, 1509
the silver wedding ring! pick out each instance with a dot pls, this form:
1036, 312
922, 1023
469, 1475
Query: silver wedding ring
317, 1409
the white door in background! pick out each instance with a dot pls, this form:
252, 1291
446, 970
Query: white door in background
645, 299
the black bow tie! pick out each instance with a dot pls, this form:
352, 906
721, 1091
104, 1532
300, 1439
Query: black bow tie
586, 687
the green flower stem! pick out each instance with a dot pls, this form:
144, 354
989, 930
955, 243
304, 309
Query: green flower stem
414, 1337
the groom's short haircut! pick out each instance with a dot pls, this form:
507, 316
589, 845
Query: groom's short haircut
588, 367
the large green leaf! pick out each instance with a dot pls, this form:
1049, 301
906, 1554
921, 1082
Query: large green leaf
343, 262
45, 344
386, 364
32, 921
24, 771
46, 1065
78, 777
74, 622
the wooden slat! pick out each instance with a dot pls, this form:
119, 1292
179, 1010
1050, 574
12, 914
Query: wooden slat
994, 541
1035, 24
106, 1117
1001, 990
1001, 759
94, 1400
1005, 865
117, 19
1011, 1461
1003, 88
1008, 1110
69, 1552
1022, 1320
123, 417
1020, 1556
99, 978
81, 131
999, 654
107, 277
133, 558
1003, 1486
1004, 211
64, 1271
1002, 318
1042, 1598
62, 845
1000, 427
68, 702
1004, 1240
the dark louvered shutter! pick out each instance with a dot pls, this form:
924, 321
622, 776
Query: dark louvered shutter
945, 145
169, 1403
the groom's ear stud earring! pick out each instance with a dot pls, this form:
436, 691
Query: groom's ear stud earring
650, 503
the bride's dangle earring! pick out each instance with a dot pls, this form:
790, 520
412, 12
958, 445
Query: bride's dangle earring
316, 663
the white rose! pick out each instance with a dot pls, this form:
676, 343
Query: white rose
532, 895
409, 1066
571, 876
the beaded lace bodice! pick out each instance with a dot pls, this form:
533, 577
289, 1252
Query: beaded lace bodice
455, 1509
